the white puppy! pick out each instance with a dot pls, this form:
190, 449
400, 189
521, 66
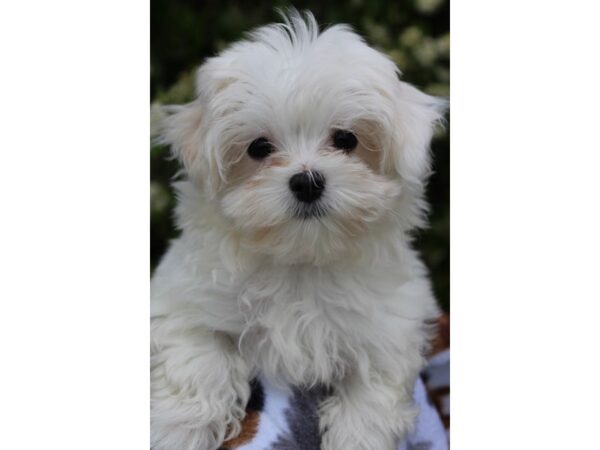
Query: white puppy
306, 159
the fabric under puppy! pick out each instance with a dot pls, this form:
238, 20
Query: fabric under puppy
279, 420
251, 287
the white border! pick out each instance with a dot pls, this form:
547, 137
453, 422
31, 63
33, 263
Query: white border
74, 231
525, 224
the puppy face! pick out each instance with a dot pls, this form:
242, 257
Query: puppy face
306, 142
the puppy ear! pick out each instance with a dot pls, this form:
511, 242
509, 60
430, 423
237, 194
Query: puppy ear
185, 128
418, 114
181, 127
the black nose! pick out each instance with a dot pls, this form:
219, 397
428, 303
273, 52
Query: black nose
307, 186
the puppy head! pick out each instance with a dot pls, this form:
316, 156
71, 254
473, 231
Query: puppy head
306, 142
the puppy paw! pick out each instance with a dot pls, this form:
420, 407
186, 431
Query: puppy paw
197, 427
199, 388
345, 427
196, 413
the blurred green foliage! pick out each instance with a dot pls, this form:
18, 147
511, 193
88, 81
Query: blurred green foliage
414, 33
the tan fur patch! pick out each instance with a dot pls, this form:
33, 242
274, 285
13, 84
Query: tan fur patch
354, 225
372, 158
253, 183
277, 161
261, 234
241, 170
249, 429
369, 145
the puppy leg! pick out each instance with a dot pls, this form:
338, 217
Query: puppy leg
200, 388
363, 415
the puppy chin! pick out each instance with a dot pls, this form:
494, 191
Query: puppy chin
305, 240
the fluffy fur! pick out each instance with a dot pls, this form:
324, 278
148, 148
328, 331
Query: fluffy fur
339, 299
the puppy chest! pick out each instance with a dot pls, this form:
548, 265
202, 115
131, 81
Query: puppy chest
299, 346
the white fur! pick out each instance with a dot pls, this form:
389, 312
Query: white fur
249, 288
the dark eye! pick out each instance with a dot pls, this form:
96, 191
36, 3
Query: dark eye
344, 140
260, 148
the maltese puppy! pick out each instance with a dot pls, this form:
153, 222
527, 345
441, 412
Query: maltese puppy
306, 160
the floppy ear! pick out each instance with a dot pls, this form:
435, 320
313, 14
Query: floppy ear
181, 127
418, 114
185, 129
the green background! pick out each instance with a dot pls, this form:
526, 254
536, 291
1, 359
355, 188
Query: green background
414, 33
